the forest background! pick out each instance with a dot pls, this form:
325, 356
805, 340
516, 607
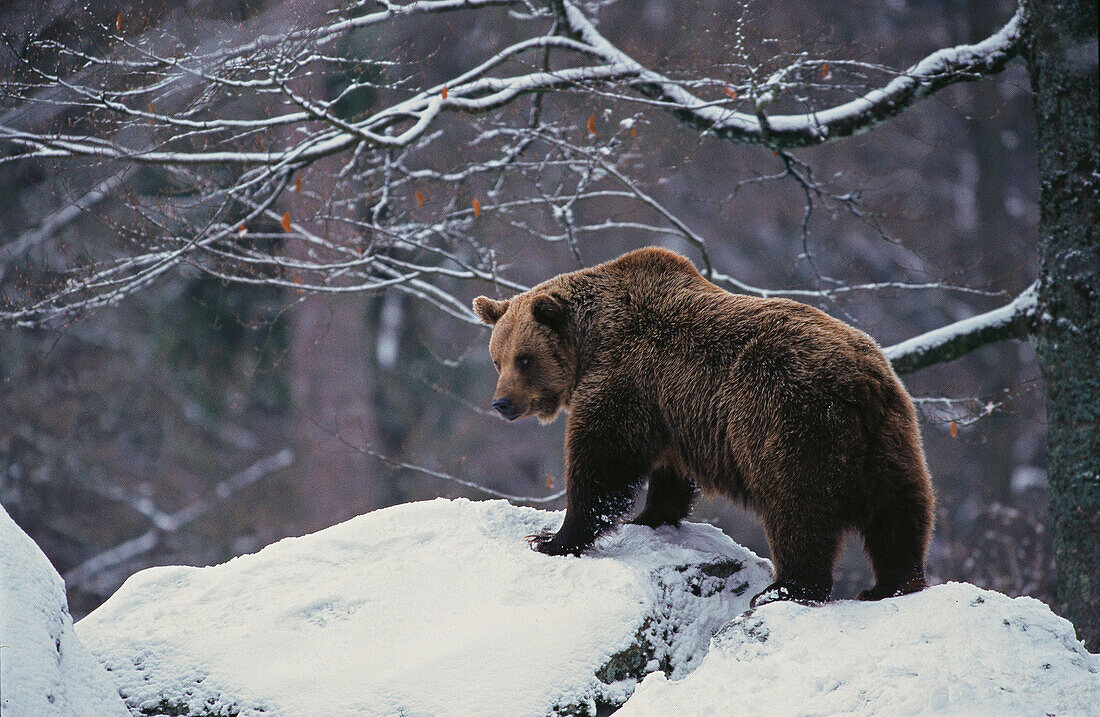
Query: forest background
199, 419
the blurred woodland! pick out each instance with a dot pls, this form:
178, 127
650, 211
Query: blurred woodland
200, 418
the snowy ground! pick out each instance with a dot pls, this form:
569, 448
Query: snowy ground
440, 608
44, 670
434, 608
950, 650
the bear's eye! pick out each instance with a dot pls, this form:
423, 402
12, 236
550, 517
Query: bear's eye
523, 361
496, 365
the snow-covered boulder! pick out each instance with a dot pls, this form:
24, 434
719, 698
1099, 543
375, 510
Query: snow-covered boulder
952, 649
434, 608
44, 670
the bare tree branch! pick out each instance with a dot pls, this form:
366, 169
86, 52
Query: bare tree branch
430, 472
231, 176
16, 248
936, 71
1014, 320
164, 523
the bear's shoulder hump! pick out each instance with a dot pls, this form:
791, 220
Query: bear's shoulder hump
655, 259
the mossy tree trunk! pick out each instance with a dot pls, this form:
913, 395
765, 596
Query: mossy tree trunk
1061, 48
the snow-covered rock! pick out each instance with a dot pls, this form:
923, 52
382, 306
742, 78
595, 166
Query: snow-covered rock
952, 649
434, 608
440, 608
44, 669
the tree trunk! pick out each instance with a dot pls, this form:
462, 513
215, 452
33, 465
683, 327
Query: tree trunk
1062, 56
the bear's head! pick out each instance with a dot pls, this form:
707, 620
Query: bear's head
533, 353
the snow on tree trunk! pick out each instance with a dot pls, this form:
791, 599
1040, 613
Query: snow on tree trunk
44, 669
1062, 56
434, 608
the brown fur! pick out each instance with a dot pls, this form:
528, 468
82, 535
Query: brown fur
769, 402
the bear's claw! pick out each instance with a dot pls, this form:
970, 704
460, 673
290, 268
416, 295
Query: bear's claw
547, 543
537, 539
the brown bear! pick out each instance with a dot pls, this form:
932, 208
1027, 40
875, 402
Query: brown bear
769, 402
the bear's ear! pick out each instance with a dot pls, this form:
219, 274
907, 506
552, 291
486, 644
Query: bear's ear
489, 310
549, 309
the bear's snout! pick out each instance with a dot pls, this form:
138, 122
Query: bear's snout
506, 409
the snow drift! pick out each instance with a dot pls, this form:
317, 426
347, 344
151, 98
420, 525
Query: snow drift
951, 649
434, 608
439, 608
44, 670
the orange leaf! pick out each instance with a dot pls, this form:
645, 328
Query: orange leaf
477, 207
591, 124
549, 481
954, 430
775, 153
297, 187
118, 22
825, 71
731, 92
444, 92
242, 231
286, 221
419, 198
634, 133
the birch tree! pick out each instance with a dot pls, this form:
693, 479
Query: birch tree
382, 202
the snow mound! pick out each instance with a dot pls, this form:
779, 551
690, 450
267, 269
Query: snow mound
951, 649
44, 669
433, 608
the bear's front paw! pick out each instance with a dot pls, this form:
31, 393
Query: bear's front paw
547, 543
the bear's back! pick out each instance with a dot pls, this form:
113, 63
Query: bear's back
657, 293
684, 340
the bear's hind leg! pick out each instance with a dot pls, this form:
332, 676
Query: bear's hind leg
803, 555
668, 499
896, 539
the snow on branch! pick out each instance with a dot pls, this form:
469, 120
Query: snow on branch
298, 160
936, 71
947, 343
